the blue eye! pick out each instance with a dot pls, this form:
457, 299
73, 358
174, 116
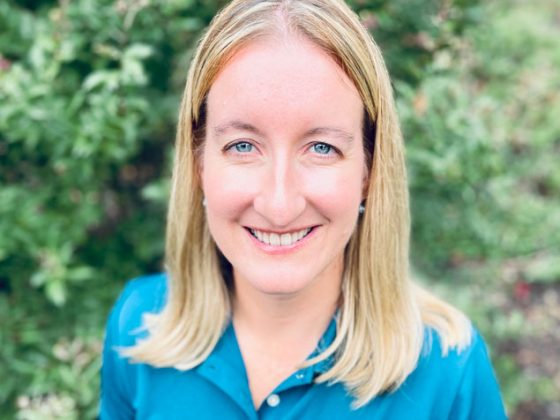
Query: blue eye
243, 147
322, 148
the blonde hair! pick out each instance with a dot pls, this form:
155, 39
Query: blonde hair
380, 331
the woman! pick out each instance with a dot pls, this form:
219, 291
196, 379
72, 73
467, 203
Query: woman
287, 293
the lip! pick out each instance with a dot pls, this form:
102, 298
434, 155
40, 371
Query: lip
282, 249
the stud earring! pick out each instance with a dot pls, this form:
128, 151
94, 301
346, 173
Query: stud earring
362, 208
204, 202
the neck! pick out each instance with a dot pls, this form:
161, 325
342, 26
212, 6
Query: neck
287, 317
277, 332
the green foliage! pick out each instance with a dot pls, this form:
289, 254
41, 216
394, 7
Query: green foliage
410, 32
89, 92
483, 140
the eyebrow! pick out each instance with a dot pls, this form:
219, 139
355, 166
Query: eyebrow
337, 132
240, 125
236, 125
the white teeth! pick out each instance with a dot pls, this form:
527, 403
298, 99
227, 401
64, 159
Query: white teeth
275, 239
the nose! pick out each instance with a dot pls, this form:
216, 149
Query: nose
280, 199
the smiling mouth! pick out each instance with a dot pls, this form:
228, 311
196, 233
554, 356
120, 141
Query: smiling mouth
280, 239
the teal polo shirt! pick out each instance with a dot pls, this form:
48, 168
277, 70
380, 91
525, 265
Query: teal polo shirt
458, 386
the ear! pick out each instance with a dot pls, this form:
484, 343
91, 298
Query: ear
199, 166
365, 182
199, 174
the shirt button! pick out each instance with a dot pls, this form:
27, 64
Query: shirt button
273, 400
299, 375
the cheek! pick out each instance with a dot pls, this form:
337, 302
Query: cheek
338, 192
227, 190
231, 189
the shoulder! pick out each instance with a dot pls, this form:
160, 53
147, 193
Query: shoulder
460, 381
449, 366
141, 296
435, 354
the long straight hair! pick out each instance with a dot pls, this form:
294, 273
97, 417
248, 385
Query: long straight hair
383, 313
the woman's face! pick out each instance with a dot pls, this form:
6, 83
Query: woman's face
283, 168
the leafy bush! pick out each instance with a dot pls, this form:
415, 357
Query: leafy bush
482, 136
483, 144
89, 92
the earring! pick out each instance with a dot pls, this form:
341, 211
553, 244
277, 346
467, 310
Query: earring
204, 202
362, 208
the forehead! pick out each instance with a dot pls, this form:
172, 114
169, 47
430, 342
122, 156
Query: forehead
285, 77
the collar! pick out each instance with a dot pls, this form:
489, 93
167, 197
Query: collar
226, 369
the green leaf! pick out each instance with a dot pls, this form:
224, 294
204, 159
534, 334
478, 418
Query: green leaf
56, 292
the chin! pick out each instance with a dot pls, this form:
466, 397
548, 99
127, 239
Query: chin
276, 283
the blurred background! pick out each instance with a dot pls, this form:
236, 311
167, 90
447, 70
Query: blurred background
89, 93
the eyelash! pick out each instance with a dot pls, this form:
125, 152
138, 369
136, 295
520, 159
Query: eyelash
331, 148
240, 143
231, 147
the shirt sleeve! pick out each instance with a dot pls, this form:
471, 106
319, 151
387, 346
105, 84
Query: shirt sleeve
116, 401
478, 396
